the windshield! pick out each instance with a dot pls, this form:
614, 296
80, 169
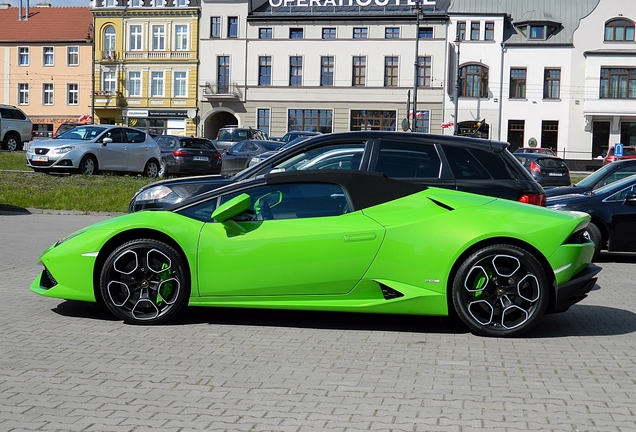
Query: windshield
84, 133
617, 184
233, 135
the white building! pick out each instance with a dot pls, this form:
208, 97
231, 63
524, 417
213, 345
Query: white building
551, 73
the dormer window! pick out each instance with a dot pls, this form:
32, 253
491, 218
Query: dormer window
538, 31
619, 30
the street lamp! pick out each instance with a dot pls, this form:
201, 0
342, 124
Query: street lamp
456, 129
90, 39
417, 10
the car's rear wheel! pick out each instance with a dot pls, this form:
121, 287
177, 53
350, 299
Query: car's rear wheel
596, 237
88, 165
12, 142
152, 169
500, 290
144, 281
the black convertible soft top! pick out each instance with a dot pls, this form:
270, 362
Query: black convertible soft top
365, 189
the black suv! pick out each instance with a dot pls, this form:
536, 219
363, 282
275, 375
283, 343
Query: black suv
467, 164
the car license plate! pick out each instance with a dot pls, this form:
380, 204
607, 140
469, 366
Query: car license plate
200, 158
40, 158
555, 174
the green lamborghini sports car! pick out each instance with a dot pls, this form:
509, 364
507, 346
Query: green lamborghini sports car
331, 240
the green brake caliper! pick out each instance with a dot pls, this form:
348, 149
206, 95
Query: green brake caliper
166, 288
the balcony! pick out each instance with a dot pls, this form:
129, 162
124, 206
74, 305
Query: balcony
109, 55
109, 99
215, 91
159, 55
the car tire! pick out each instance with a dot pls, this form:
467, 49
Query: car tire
162, 169
144, 281
596, 237
500, 290
88, 166
12, 142
152, 169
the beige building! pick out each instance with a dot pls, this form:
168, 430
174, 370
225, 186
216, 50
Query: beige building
46, 64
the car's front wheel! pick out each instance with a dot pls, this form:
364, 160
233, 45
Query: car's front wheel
500, 291
88, 165
144, 281
152, 169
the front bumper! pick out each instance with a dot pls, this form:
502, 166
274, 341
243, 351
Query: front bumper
576, 289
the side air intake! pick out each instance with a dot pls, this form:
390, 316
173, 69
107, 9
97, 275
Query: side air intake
389, 293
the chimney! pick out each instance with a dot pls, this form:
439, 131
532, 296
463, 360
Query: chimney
20, 11
26, 15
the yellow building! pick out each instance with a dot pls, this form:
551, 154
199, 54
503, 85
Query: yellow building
146, 60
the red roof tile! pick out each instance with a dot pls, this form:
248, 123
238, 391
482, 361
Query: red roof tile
45, 24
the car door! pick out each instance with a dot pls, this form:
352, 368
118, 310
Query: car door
113, 156
623, 226
298, 241
138, 149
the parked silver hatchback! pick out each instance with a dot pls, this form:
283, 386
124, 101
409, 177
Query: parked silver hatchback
88, 149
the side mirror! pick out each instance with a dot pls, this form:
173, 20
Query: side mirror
234, 207
630, 199
107, 140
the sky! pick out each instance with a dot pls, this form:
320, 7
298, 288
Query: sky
56, 3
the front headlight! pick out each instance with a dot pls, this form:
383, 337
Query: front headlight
557, 206
67, 238
63, 150
153, 193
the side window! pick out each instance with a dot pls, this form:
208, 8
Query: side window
620, 196
463, 164
248, 147
115, 134
133, 136
293, 201
493, 163
617, 175
335, 156
399, 159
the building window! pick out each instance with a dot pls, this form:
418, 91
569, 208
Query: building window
312, 120
47, 94
295, 71
72, 56
474, 30
23, 56
326, 71
265, 33
215, 27
72, 92
551, 83
109, 83
136, 3
461, 30
156, 84
424, 71
134, 83
158, 3
181, 37
473, 81
362, 120
391, 32
618, 83
549, 134
180, 84
110, 3
423, 121
328, 33
265, 70
262, 120
425, 33
359, 71
232, 27
360, 33
23, 94
517, 84
158, 38
223, 74
135, 38
515, 133
109, 38
296, 33
48, 56
489, 31
181, 3
619, 30
537, 32
390, 71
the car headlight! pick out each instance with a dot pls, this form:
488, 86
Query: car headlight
557, 206
153, 193
63, 150
67, 238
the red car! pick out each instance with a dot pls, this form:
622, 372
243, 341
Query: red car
628, 153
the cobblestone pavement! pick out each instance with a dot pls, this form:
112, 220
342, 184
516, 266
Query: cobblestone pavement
68, 366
